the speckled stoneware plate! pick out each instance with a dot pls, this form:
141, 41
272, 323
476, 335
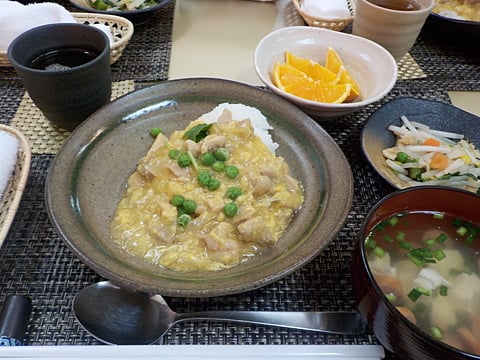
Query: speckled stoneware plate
89, 174
375, 135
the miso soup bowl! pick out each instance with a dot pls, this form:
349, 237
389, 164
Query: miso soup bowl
393, 330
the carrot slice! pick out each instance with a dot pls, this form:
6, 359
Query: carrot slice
439, 161
431, 142
407, 313
469, 341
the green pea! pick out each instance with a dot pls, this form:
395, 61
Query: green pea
221, 154
177, 200
184, 160
155, 131
204, 177
189, 206
218, 166
402, 157
207, 159
183, 220
214, 184
234, 192
174, 154
230, 209
231, 171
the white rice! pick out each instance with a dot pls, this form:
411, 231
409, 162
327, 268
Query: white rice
8, 158
242, 112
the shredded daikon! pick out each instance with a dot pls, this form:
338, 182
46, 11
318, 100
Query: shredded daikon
415, 157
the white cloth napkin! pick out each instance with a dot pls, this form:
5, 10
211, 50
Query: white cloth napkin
327, 9
16, 18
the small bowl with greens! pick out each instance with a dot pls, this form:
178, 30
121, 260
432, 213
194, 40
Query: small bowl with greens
137, 11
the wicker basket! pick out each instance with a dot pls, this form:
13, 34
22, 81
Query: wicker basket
10, 199
121, 28
332, 24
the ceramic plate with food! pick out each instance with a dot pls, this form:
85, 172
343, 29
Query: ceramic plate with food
414, 142
183, 225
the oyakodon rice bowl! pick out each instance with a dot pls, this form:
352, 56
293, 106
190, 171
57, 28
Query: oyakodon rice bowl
210, 196
89, 175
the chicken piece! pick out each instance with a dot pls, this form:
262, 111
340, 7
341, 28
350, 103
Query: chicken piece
245, 213
161, 234
291, 183
212, 142
262, 185
178, 171
160, 141
136, 180
220, 244
270, 171
193, 147
256, 231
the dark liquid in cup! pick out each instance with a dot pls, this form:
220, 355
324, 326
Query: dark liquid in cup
61, 59
402, 5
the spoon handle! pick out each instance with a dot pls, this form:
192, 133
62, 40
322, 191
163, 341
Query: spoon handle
348, 323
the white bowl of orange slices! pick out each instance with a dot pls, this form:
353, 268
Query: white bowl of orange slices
324, 72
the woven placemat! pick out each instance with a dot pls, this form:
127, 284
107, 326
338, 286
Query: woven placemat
408, 69
45, 138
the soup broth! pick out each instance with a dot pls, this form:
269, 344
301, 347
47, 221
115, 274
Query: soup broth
400, 5
427, 264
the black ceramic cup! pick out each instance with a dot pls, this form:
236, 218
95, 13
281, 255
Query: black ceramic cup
65, 67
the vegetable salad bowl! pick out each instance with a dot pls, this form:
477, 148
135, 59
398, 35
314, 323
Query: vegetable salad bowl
138, 12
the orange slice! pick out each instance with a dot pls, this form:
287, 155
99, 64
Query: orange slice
311, 68
333, 93
335, 64
293, 81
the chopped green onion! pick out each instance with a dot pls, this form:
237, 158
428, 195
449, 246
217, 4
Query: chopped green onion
469, 239
393, 221
439, 254
443, 290
436, 333
400, 236
405, 245
462, 230
388, 238
415, 293
416, 260
441, 238
379, 251
391, 297
439, 216
430, 242
370, 243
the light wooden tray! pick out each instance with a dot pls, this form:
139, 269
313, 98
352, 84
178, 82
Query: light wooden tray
10, 199
121, 29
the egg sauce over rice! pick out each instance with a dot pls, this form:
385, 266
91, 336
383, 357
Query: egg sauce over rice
148, 224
